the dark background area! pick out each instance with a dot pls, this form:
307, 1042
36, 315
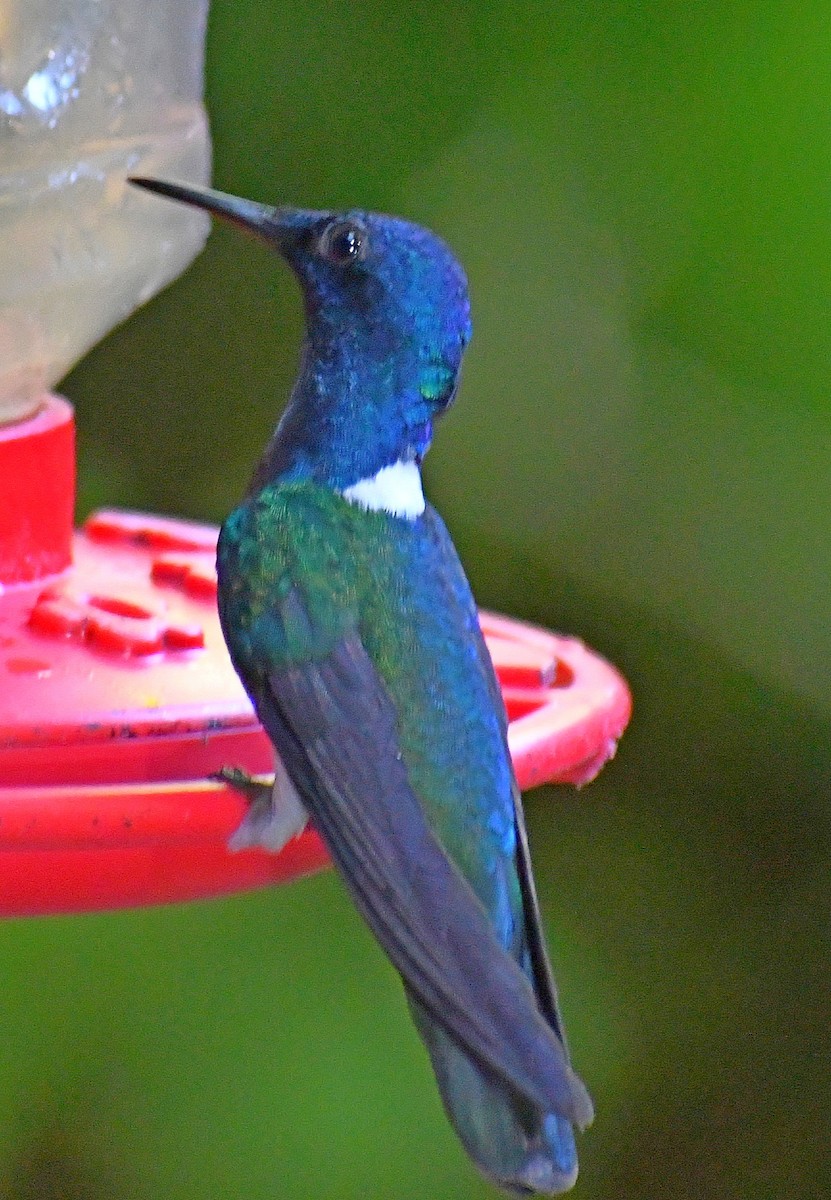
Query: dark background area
640, 456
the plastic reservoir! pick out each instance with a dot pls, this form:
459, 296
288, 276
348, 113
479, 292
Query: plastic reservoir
91, 91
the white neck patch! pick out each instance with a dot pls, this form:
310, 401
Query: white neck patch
395, 489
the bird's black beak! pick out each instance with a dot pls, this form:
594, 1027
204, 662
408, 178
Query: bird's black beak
272, 225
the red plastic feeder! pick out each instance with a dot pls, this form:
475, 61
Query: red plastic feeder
117, 700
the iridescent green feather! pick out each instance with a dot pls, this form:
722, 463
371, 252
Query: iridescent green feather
304, 567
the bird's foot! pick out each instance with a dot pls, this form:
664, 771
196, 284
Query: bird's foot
275, 813
255, 788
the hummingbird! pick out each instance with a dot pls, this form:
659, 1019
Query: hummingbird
350, 621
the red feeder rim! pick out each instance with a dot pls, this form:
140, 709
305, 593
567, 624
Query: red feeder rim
117, 700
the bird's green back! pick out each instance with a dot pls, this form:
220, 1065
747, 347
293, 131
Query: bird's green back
300, 567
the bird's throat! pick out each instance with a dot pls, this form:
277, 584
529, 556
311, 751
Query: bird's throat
395, 489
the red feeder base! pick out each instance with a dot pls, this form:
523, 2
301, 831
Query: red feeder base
118, 699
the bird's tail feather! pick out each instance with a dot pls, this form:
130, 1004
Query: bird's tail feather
518, 1147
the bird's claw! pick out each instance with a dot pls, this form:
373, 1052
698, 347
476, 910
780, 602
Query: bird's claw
275, 813
256, 789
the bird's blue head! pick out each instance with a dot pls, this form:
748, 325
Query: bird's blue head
388, 320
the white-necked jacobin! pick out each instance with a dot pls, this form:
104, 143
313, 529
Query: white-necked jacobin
351, 623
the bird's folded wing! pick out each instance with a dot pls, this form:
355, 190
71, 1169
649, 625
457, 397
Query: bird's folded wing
334, 725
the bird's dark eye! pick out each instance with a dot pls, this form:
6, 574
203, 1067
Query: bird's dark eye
343, 242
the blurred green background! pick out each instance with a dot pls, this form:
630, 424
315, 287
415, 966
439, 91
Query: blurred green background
640, 455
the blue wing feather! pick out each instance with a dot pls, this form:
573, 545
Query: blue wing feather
334, 725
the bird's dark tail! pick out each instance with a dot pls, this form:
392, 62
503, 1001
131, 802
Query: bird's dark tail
518, 1147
